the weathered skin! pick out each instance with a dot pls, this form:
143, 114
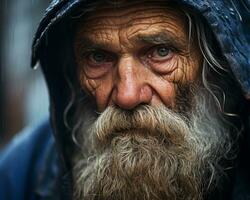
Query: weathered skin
119, 60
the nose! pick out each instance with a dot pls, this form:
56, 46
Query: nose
131, 88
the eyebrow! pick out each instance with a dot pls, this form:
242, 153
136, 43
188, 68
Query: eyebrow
160, 38
88, 44
151, 39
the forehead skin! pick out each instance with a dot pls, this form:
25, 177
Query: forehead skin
119, 31
111, 25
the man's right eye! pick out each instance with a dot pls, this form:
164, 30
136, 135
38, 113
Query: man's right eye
98, 58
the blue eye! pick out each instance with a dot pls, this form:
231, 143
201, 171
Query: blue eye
162, 51
98, 57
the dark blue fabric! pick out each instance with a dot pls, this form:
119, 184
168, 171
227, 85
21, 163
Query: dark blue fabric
28, 165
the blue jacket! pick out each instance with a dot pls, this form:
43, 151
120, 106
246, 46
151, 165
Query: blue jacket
29, 165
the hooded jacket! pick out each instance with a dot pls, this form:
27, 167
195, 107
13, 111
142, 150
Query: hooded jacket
229, 20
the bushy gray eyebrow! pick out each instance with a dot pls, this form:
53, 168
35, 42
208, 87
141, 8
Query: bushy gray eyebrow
160, 38
88, 44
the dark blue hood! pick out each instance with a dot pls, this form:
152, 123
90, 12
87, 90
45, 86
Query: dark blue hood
229, 21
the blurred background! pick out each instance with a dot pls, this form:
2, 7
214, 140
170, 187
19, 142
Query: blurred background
23, 95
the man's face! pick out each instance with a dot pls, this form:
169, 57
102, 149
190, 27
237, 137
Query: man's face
136, 54
142, 66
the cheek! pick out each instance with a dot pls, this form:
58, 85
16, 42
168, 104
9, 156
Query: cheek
163, 92
87, 84
165, 85
99, 88
186, 71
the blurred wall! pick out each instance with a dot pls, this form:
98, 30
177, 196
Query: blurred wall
23, 95
1, 72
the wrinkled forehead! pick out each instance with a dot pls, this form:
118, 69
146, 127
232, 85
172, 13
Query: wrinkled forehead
128, 19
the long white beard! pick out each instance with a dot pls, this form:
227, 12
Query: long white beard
150, 153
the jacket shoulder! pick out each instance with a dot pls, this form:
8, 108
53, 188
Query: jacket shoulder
21, 160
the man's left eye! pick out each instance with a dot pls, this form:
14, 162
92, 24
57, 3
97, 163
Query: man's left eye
160, 53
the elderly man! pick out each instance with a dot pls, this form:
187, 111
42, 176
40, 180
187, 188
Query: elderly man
149, 100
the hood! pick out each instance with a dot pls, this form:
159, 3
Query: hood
229, 20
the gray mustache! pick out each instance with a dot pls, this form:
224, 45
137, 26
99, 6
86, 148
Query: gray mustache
145, 118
